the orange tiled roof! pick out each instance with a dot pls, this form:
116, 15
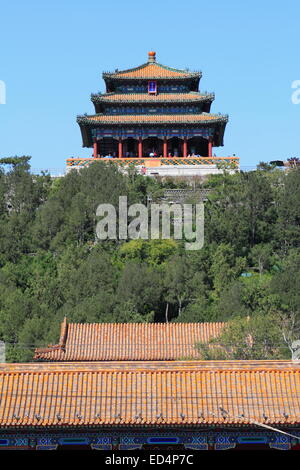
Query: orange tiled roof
194, 364
129, 341
161, 97
152, 70
155, 118
87, 394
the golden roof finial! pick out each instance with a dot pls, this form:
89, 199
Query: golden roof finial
151, 56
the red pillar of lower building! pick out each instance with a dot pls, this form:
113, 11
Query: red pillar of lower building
120, 149
184, 147
210, 145
140, 148
165, 148
95, 154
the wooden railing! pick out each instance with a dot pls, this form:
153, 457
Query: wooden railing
179, 195
231, 162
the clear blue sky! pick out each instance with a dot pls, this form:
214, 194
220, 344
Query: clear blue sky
54, 52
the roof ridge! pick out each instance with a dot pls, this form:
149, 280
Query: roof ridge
162, 369
63, 333
173, 69
184, 365
49, 348
117, 72
151, 64
146, 323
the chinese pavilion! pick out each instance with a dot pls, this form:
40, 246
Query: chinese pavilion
153, 112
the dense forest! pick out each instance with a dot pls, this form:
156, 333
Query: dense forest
52, 266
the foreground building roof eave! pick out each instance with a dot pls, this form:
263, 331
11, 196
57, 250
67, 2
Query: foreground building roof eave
120, 98
179, 393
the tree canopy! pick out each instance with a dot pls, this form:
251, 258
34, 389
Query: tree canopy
51, 264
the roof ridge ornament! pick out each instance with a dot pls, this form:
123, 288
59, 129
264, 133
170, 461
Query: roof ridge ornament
151, 56
63, 333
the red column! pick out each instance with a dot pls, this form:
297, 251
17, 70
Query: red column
184, 147
140, 148
165, 148
95, 149
120, 149
210, 147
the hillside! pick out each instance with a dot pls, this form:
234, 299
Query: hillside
51, 265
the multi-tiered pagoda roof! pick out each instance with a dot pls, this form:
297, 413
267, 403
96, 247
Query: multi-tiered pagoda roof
152, 109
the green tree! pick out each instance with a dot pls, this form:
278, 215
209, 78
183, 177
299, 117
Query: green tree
225, 266
261, 256
288, 205
140, 285
179, 283
258, 337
